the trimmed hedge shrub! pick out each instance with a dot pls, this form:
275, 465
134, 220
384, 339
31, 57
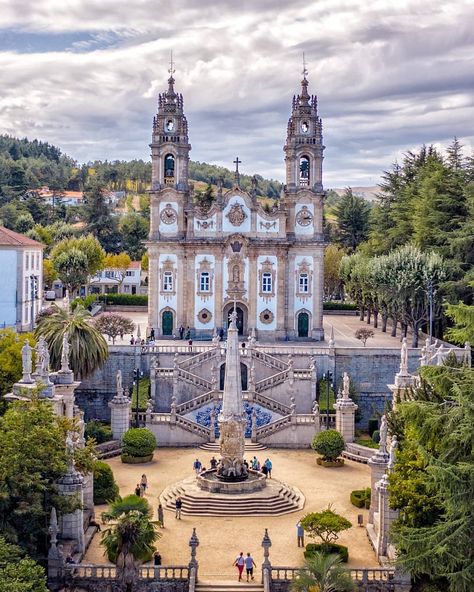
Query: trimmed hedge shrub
101, 432
340, 550
335, 305
373, 425
376, 436
87, 301
105, 488
360, 498
138, 442
329, 444
125, 299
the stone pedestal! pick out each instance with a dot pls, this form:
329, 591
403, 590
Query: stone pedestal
119, 415
383, 520
88, 494
345, 418
378, 465
71, 525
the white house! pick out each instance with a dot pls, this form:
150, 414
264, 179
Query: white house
113, 281
21, 292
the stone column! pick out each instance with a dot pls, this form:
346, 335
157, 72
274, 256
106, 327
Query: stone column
119, 415
386, 516
72, 527
345, 413
55, 557
193, 544
378, 465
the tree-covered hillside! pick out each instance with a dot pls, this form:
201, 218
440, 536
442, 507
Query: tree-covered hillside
28, 164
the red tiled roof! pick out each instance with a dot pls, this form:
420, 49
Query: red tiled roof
14, 239
135, 265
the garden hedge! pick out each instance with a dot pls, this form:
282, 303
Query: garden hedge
335, 305
373, 425
138, 443
105, 488
101, 432
340, 550
360, 498
125, 299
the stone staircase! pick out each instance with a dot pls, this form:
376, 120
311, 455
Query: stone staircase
198, 359
276, 499
249, 446
229, 586
108, 449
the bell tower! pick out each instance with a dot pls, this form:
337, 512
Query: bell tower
170, 144
304, 142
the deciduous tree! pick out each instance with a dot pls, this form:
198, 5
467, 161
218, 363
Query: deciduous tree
113, 325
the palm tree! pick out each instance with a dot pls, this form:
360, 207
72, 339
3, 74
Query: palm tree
323, 573
129, 540
88, 347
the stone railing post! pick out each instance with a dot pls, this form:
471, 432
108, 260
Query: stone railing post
72, 484
345, 413
194, 544
55, 557
266, 544
119, 414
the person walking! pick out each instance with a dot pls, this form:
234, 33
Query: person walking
138, 490
181, 332
268, 464
190, 345
254, 463
239, 563
156, 558
249, 565
213, 462
161, 516
197, 466
178, 505
143, 484
152, 334
300, 534
265, 470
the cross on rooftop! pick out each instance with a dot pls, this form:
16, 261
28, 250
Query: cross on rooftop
171, 68
237, 162
305, 70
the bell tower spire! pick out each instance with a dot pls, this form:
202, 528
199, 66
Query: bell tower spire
170, 143
304, 141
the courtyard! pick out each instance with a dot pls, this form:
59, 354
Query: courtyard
222, 538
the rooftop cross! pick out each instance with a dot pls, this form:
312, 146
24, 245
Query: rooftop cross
305, 70
171, 68
237, 162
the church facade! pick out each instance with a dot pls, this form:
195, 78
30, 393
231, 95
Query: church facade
203, 258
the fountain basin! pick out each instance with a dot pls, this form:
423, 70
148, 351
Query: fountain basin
210, 481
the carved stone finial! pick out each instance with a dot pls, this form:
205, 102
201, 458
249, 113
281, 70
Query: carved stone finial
194, 544
332, 341
53, 527
266, 544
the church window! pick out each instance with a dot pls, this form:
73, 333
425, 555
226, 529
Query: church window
167, 281
267, 283
303, 283
204, 282
304, 170
169, 168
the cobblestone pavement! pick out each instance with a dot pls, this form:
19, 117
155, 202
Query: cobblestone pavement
344, 328
222, 538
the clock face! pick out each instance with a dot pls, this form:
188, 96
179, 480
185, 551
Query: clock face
168, 215
304, 127
304, 217
169, 125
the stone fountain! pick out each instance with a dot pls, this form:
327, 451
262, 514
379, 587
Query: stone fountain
232, 475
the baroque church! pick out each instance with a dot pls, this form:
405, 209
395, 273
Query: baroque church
203, 259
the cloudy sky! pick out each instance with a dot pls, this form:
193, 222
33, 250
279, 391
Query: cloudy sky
389, 75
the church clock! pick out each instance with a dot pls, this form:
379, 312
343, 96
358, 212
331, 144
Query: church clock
169, 125
168, 215
304, 127
304, 217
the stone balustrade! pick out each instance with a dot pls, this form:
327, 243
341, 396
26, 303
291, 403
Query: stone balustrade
273, 426
196, 402
270, 403
264, 356
272, 381
194, 379
199, 358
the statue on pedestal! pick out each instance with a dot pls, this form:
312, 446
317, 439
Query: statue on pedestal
346, 383
391, 453
26, 358
383, 434
404, 358
119, 382
65, 354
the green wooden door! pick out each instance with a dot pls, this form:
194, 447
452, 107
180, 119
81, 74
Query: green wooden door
167, 322
303, 324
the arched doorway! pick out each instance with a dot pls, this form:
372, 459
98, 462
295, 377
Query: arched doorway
303, 324
167, 322
243, 376
241, 310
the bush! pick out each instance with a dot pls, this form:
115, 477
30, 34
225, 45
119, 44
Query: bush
125, 299
138, 442
87, 302
329, 444
340, 550
360, 498
373, 425
101, 432
105, 488
376, 436
334, 305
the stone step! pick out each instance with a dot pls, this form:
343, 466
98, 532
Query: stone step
354, 457
227, 586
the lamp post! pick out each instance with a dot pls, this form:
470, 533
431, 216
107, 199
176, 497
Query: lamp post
137, 374
328, 377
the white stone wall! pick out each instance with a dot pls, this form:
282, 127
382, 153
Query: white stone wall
302, 302
8, 265
266, 226
165, 299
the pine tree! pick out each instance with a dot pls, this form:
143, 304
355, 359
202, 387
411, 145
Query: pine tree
99, 219
352, 220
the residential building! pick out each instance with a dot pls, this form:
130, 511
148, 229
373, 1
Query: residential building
114, 281
21, 293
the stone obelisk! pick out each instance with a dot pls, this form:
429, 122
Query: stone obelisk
232, 419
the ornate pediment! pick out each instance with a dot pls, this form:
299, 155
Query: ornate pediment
237, 214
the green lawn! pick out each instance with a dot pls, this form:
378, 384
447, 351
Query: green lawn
367, 442
142, 395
